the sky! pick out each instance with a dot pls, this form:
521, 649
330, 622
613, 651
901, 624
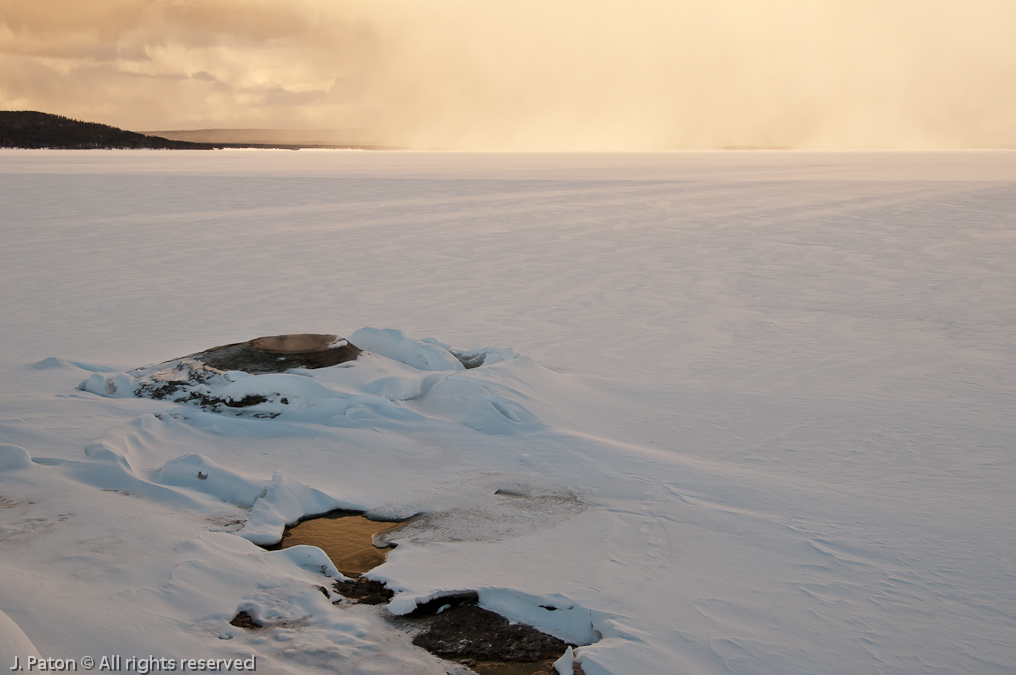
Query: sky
529, 75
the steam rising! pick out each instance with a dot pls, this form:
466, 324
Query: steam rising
527, 75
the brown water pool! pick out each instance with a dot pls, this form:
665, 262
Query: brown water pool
346, 536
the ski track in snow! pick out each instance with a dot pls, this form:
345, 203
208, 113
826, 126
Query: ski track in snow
743, 412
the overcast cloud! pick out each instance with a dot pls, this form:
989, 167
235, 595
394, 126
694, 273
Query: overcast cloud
528, 75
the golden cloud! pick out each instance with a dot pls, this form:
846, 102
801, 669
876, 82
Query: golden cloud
549, 75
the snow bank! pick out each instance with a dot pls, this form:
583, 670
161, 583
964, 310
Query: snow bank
553, 614
201, 474
13, 457
14, 642
779, 387
310, 558
395, 345
282, 502
400, 379
55, 362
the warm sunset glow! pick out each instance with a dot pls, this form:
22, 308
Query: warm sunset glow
527, 75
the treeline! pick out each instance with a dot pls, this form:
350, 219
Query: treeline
30, 129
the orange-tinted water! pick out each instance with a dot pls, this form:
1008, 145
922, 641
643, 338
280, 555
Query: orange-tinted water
345, 538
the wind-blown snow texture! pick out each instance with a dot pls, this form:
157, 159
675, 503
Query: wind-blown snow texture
742, 413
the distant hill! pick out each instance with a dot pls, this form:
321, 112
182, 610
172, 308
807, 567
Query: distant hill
348, 139
30, 129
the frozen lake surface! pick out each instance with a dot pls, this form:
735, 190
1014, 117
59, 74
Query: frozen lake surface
743, 412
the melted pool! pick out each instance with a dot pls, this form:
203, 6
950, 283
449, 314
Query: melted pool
347, 538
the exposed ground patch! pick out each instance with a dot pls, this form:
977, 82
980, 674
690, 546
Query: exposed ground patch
471, 632
453, 626
245, 620
363, 591
199, 378
279, 353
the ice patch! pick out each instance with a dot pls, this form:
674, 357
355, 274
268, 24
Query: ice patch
491, 509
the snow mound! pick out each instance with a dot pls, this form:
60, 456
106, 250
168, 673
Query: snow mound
398, 380
396, 345
283, 502
310, 558
118, 461
485, 406
202, 474
14, 457
553, 614
196, 482
54, 362
14, 642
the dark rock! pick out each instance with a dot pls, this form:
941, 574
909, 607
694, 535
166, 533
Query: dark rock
279, 353
196, 378
246, 401
364, 591
245, 620
431, 607
472, 632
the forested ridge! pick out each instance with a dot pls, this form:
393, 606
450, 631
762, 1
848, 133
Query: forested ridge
31, 129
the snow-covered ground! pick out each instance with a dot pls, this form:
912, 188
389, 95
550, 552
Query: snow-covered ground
743, 413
